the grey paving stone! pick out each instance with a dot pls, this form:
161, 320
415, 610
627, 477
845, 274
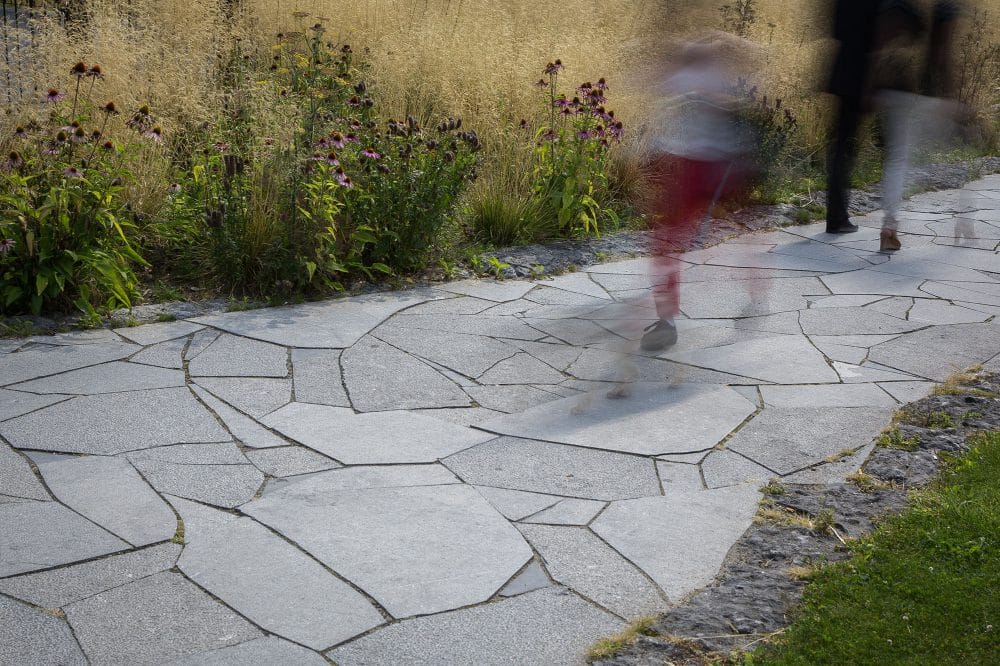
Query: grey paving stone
653, 419
579, 560
225, 485
835, 471
613, 282
60, 587
895, 306
549, 626
827, 395
969, 294
578, 282
568, 512
29, 636
870, 282
169, 354
266, 650
679, 476
38, 535
785, 359
516, 504
465, 416
363, 478
471, 355
111, 493
317, 377
16, 403
864, 341
256, 396
242, 427
725, 468
785, 323
686, 458
555, 469
289, 461
905, 392
154, 620
681, 540
787, 440
490, 290
509, 399
842, 353
521, 369
487, 325
213, 453
200, 341
336, 324
847, 301
937, 312
268, 580
866, 373
151, 334
113, 377
532, 578
35, 361
937, 352
852, 321
232, 356
456, 548
16, 477
579, 304
572, 331
639, 266
374, 438
380, 378
750, 298
452, 305
7, 346
114, 423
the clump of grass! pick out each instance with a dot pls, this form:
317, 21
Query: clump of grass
773, 488
939, 420
867, 483
895, 439
956, 384
918, 590
607, 647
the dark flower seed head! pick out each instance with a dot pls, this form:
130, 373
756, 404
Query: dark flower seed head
79, 69
95, 71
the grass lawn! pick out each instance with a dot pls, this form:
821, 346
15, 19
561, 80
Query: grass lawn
922, 589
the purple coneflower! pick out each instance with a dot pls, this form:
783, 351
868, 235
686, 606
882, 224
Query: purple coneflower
110, 109
553, 67
351, 137
20, 132
95, 71
601, 84
54, 95
549, 135
542, 83
353, 100
108, 146
156, 134
6, 245
331, 159
79, 69
73, 172
13, 161
560, 101
523, 124
583, 134
370, 154
78, 135
175, 188
585, 87
566, 111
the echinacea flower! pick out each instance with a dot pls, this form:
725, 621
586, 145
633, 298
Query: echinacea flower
13, 161
175, 188
95, 72
108, 146
370, 154
351, 137
523, 124
353, 100
73, 172
560, 102
79, 69
20, 132
601, 84
553, 68
6, 245
110, 109
78, 136
54, 95
345, 182
155, 134
542, 83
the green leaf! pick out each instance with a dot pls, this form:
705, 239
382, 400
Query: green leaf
41, 283
310, 269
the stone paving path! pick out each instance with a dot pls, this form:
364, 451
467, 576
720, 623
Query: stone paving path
439, 476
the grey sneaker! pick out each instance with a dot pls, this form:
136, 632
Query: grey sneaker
659, 336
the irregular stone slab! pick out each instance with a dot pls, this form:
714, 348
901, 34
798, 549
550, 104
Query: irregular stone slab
88, 337
686, 458
216, 453
549, 626
317, 377
154, 620
16, 477
375, 438
471, 355
521, 369
43, 360
232, 356
864, 341
60, 587
16, 403
516, 504
289, 461
486, 325
363, 478
832, 472
151, 334
270, 581
225, 485
167, 354
256, 396
937, 352
786, 323
465, 416
870, 282
334, 324
111, 493
852, 321
897, 306
543, 467
653, 419
490, 290
579, 560
679, 476
509, 399
452, 304
579, 303
29, 636
827, 395
38, 535
579, 283
200, 341
749, 298
725, 468
905, 392
577, 332
783, 360
848, 301
968, 294
113, 377
937, 312
380, 378
568, 512
114, 423
243, 428
416, 550
532, 578
266, 650
853, 374
639, 266
680, 541
842, 353
777, 439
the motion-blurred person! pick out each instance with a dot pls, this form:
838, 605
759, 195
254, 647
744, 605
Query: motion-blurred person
697, 160
854, 29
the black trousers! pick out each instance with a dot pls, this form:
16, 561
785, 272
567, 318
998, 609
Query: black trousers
843, 151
